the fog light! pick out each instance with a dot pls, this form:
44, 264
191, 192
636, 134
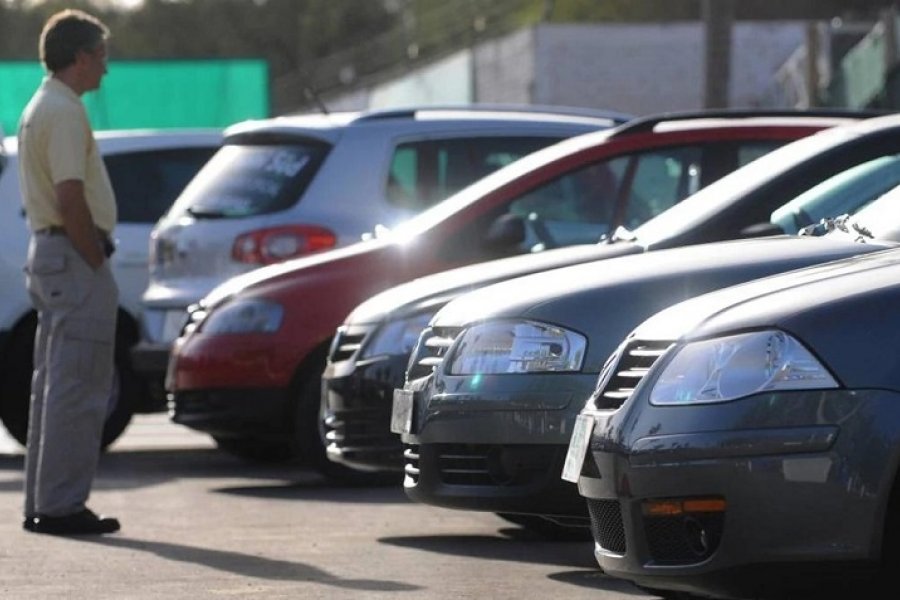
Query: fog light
677, 506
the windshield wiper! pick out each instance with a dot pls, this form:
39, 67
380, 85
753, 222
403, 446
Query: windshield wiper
841, 223
621, 234
205, 213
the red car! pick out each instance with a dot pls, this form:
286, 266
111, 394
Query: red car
248, 365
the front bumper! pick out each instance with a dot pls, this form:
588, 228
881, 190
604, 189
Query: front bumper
805, 477
500, 449
245, 413
358, 398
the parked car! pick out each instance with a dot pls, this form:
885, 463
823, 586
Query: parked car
496, 382
148, 169
370, 350
257, 390
289, 186
745, 443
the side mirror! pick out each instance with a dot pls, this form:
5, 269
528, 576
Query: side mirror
507, 231
761, 230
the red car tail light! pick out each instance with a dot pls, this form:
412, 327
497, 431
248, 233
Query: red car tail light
274, 244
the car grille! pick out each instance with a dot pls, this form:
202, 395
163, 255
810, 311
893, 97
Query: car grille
347, 342
606, 525
632, 362
492, 464
430, 350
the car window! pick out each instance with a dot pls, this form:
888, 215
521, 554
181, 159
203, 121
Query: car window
251, 179
664, 177
146, 183
576, 207
840, 194
423, 173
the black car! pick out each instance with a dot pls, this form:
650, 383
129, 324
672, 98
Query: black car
776, 193
498, 378
746, 443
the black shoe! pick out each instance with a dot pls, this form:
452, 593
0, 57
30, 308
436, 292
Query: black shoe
28, 523
80, 523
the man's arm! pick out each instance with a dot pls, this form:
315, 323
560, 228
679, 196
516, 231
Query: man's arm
77, 221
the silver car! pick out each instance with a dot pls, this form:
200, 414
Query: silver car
289, 186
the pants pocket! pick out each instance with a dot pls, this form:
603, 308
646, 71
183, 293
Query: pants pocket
91, 348
52, 280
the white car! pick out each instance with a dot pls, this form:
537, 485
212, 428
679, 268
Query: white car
148, 169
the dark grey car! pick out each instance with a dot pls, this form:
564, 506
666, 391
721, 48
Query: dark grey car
746, 443
821, 176
496, 382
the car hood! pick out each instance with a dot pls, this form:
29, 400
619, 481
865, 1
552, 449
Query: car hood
437, 289
604, 300
264, 277
840, 310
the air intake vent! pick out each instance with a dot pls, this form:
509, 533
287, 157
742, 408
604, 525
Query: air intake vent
431, 350
633, 363
347, 342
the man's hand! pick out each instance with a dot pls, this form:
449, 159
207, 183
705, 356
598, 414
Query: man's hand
78, 223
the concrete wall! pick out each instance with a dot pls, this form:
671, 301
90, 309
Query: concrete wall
635, 68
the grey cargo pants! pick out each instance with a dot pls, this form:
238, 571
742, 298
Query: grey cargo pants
73, 372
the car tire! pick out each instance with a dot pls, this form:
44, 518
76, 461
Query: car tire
548, 529
16, 387
309, 437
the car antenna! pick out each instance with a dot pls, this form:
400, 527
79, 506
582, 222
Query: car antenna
313, 96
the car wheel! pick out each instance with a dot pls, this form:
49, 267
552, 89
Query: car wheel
16, 387
309, 437
254, 449
547, 528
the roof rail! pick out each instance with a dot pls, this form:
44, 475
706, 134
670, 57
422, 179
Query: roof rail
643, 124
574, 111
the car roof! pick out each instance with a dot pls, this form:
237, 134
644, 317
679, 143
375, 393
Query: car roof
677, 121
328, 127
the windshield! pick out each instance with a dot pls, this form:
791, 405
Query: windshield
250, 179
880, 219
710, 200
844, 193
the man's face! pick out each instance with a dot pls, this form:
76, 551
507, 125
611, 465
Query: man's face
93, 66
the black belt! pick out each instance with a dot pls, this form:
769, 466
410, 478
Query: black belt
105, 239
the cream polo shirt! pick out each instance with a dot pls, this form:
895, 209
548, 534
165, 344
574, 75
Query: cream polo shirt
56, 144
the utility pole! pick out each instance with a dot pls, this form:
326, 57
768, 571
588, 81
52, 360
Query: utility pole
718, 17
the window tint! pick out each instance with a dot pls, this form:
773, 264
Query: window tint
251, 179
577, 207
423, 173
147, 183
750, 151
659, 179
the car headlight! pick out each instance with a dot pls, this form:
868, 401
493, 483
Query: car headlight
516, 347
735, 366
397, 336
251, 315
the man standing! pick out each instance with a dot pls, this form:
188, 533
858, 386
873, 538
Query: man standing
71, 211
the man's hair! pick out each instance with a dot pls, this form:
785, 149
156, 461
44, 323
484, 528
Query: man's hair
65, 34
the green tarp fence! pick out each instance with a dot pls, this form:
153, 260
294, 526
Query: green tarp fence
154, 94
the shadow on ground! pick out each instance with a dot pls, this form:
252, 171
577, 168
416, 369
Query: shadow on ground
249, 565
509, 546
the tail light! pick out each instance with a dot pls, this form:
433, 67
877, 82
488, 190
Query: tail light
274, 244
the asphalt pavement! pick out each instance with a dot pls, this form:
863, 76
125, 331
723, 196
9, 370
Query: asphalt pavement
197, 523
